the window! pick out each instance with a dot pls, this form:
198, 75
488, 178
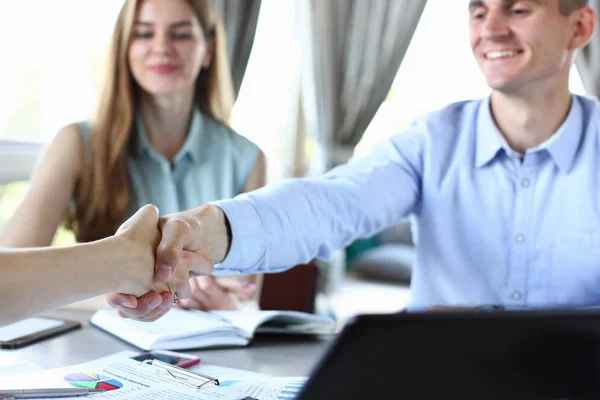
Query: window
58, 61
56, 58
11, 195
49, 81
438, 69
267, 107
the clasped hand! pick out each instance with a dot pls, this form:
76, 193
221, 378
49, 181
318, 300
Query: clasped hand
172, 249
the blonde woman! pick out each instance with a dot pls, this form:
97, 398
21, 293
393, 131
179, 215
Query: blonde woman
159, 135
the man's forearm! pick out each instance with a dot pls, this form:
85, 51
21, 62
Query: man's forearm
278, 226
282, 225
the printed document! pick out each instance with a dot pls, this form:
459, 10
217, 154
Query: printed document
123, 378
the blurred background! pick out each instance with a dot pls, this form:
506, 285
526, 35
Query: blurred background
53, 55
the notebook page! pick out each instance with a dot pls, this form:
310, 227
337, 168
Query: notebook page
178, 327
251, 320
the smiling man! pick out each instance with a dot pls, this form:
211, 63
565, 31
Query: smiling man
506, 189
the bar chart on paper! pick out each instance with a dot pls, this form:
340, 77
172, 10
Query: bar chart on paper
269, 389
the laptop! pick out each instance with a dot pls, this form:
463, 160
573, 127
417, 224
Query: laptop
504, 355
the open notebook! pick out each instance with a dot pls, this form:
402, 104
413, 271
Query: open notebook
184, 329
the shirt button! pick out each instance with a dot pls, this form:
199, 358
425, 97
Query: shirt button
525, 182
520, 238
516, 295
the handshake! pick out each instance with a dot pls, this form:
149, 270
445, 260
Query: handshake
166, 252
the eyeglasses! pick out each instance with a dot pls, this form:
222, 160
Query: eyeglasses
195, 380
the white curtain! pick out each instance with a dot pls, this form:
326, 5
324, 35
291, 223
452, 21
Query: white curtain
588, 60
240, 18
351, 52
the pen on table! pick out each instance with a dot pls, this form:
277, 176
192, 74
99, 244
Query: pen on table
47, 393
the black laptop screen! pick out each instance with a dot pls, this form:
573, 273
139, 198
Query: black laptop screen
508, 355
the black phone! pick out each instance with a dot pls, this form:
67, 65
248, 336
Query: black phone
32, 330
181, 360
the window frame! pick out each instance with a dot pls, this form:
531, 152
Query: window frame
17, 160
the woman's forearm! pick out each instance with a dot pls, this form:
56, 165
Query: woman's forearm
36, 280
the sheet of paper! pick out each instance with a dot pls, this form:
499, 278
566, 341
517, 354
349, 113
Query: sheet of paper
268, 389
15, 369
221, 373
27, 327
227, 374
124, 379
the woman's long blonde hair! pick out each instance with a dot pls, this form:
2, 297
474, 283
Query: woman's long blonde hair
103, 192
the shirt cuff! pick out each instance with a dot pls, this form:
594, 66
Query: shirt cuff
247, 238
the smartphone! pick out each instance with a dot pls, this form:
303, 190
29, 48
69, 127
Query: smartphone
181, 360
32, 330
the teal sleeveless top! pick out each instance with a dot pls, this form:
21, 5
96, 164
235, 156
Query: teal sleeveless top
213, 164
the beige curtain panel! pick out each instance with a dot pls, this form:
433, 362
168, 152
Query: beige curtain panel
351, 53
588, 60
240, 18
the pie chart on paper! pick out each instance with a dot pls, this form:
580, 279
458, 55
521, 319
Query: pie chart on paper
91, 380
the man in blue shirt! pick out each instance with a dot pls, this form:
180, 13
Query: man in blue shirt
506, 190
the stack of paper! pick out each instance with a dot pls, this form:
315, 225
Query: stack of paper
124, 378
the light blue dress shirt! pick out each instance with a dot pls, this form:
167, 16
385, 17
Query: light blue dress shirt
213, 164
492, 230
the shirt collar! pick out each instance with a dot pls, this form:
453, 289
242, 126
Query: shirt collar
191, 146
489, 140
562, 145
